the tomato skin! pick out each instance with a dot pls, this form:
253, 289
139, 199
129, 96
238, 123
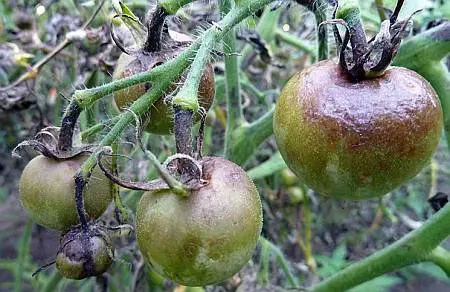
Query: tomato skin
47, 191
207, 237
356, 140
73, 261
160, 114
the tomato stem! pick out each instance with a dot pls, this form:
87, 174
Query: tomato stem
80, 183
69, 121
417, 246
154, 30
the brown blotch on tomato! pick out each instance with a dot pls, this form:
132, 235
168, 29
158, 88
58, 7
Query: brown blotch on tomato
356, 140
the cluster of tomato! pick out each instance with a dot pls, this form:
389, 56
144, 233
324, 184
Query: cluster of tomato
342, 138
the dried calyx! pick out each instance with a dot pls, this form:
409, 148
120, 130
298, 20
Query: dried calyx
47, 143
364, 58
191, 181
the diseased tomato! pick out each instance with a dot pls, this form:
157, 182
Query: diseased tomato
160, 114
84, 255
356, 140
206, 237
47, 192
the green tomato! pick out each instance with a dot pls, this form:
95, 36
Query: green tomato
160, 115
288, 178
356, 140
296, 195
47, 192
204, 238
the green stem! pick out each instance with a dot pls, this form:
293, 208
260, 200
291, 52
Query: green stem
292, 40
23, 251
232, 85
98, 127
320, 12
172, 6
267, 168
52, 282
380, 8
187, 97
438, 75
281, 260
413, 248
247, 137
440, 257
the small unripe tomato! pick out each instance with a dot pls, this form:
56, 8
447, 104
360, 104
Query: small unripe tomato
209, 235
288, 178
160, 114
84, 255
356, 140
296, 195
47, 192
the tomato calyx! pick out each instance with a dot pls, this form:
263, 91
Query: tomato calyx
366, 59
193, 180
46, 143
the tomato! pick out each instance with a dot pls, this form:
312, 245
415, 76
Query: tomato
206, 237
47, 192
160, 114
84, 255
288, 178
296, 195
356, 140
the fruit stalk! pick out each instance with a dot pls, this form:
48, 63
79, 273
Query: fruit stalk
413, 248
349, 11
154, 30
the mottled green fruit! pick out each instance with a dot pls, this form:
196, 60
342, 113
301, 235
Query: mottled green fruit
288, 178
160, 115
207, 237
82, 255
356, 140
296, 195
47, 192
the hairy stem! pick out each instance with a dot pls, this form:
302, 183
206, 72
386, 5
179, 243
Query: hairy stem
413, 248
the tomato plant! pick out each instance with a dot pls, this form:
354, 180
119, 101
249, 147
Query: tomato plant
355, 127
